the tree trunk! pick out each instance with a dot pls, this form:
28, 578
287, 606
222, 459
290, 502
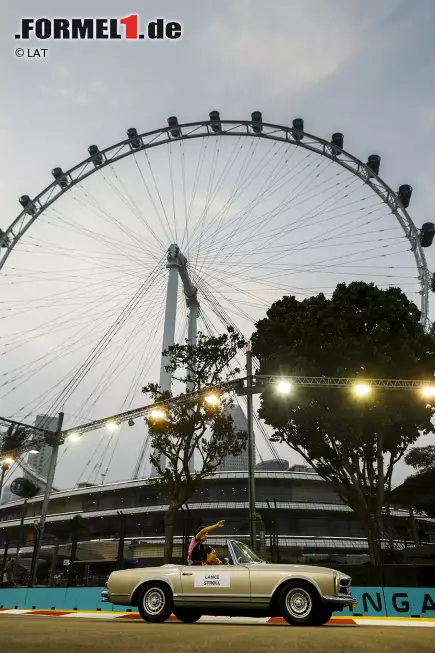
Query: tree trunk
53, 563
169, 533
370, 526
390, 527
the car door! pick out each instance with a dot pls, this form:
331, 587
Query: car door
215, 586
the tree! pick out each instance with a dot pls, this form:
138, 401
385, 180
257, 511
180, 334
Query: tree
354, 443
418, 489
192, 424
11, 440
25, 489
15, 437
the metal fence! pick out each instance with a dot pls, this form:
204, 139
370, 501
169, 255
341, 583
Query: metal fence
88, 563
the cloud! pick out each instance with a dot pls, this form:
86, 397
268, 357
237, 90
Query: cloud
76, 96
296, 47
80, 96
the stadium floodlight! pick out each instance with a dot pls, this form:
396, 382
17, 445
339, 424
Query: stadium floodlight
73, 437
362, 389
284, 387
157, 414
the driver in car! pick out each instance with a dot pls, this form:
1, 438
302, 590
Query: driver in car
197, 554
212, 558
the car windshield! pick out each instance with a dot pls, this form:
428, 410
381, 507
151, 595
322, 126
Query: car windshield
243, 554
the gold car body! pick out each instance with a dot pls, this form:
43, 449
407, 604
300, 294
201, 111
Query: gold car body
248, 586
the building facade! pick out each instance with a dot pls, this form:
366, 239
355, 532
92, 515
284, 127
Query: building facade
40, 462
236, 463
300, 520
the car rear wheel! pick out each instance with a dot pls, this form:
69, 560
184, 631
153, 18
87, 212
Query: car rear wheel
188, 616
155, 603
300, 604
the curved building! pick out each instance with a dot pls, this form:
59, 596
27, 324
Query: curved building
273, 465
300, 519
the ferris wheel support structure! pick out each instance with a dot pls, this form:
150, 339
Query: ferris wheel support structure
177, 266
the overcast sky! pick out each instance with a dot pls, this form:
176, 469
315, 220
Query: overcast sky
362, 67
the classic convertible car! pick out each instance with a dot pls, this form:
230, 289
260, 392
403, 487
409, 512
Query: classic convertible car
243, 586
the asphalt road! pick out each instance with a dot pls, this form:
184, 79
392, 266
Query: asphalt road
20, 634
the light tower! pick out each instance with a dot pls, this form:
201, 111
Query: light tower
177, 266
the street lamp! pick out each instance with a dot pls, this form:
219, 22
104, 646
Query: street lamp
73, 437
4, 464
362, 390
211, 400
284, 387
157, 414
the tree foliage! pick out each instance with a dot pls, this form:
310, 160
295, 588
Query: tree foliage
192, 426
361, 332
418, 490
13, 439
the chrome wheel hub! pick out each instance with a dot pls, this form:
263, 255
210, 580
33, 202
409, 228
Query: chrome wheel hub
298, 603
154, 601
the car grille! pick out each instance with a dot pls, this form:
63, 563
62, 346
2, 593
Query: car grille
345, 585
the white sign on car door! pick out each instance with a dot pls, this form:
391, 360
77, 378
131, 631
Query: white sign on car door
213, 579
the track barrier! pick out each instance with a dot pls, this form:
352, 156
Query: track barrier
414, 602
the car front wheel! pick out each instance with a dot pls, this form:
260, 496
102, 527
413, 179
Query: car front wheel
155, 603
321, 616
300, 604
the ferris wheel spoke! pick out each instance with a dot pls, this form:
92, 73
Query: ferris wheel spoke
266, 218
156, 188
124, 194
233, 222
153, 202
313, 243
51, 395
280, 233
66, 348
101, 345
111, 243
59, 324
245, 177
122, 353
96, 207
197, 176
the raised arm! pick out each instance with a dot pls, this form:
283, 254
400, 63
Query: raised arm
208, 529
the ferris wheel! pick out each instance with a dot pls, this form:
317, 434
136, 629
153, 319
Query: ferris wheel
241, 212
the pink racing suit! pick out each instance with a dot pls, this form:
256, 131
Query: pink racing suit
198, 556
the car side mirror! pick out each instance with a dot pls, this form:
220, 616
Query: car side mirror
226, 561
